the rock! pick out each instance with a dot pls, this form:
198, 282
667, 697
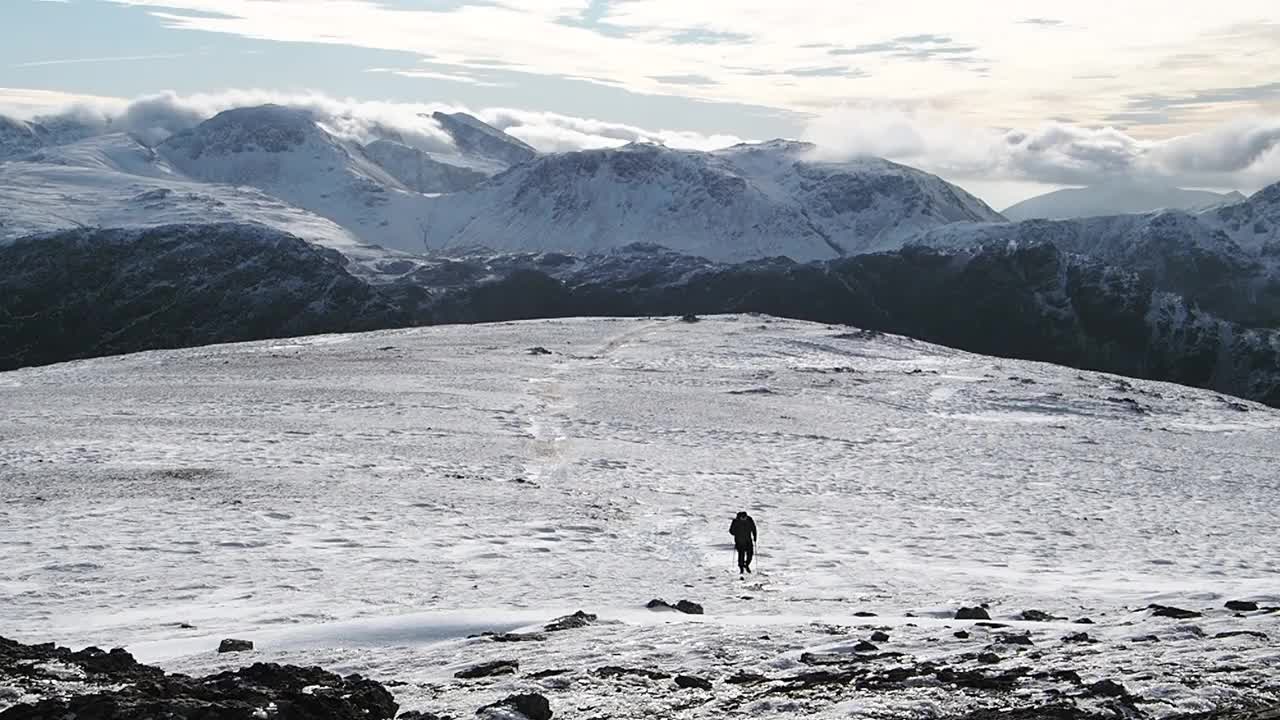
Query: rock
531, 705
419, 715
614, 671
1038, 616
864, 613
990, 625
570, 622
513, 637
879, 636
1242, 605
1145, 639
547, 673
1078, 637
1108, 688
233, 645
539, 350
1084, 621
972, 613
865, 646
1172, 612
689, 608
690, 318
489, 669
689, 682
1239, 633
746, 678
116, 687
962, 634
1015, 640
988, 658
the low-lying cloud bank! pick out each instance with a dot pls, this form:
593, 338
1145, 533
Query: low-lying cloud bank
1243, 154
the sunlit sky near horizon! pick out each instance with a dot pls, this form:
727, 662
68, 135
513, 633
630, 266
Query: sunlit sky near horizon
751, 69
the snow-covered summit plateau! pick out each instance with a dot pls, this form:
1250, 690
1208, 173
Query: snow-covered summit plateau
366, 502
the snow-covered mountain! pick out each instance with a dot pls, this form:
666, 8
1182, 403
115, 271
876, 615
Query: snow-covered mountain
285, 153
1116, 198
113, 181
745, 202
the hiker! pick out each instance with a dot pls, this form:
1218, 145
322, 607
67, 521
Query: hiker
743, 530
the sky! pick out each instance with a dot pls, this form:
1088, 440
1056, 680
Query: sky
1092, 88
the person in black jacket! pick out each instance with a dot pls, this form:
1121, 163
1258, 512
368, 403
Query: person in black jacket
743, 530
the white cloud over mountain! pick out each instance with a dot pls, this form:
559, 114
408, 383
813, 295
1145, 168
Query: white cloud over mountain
1242, 154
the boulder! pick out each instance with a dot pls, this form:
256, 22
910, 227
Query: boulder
530, 705
1038, 616
689, 682
539, 350
879, 636
570, 622
232, 645
972, 613
1172, 612
489, 669
865, 646
689, 608
988, 658
746, 678
1242, 605
614, 671
1108, 688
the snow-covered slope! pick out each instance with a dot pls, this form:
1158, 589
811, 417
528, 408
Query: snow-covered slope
21, 137
1117, 198
367, 502
419, 171
1254, 223
283, 152
476, 138
745, 202
84, 185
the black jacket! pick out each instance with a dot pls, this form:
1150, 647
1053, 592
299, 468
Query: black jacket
743, 530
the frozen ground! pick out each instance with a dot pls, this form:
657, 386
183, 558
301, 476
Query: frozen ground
365, 502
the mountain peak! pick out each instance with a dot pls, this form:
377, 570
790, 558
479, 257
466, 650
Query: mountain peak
472, 135
265, 128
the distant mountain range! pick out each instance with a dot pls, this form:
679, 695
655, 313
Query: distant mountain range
260, 223
1116, 198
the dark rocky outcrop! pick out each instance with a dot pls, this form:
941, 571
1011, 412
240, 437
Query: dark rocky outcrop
972, 613
489, 669
116, 687
689, 682
531, 705
1168, 611
570, 622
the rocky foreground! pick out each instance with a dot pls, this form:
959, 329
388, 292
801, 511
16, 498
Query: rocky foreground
47, 682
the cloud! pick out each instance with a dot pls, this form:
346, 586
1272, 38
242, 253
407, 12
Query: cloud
156, 117
552, 132
96, 60
1244, 153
